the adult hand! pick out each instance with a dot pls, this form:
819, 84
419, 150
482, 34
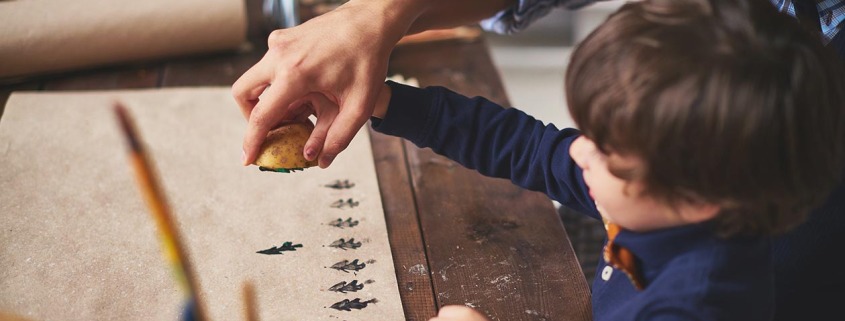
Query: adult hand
341, 55
458, 313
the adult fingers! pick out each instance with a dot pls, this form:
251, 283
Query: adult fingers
349, 120
249, 87
264, 117
300, 111
326, 111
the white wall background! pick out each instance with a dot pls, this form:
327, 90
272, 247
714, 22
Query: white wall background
533, 62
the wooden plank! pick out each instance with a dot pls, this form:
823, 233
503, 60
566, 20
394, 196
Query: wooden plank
406, 243
123, 77
210, 70
490, 244
465, 67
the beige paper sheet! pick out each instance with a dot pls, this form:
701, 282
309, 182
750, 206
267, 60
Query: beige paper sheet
39, 36
77, 242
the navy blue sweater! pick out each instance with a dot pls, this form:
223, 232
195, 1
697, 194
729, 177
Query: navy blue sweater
689, 273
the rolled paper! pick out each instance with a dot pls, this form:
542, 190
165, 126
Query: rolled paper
40, 36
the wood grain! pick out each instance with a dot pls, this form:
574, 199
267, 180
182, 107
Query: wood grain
406, 242
124, 77
211, 70
490, 244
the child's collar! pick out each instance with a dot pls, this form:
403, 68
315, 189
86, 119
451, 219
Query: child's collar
636, 253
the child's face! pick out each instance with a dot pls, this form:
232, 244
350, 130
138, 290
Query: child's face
620, 201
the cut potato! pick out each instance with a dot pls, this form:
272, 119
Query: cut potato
282, 149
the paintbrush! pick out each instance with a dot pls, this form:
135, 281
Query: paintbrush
171, 246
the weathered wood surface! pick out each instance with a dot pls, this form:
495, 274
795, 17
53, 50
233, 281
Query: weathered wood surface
490, 244
456, 237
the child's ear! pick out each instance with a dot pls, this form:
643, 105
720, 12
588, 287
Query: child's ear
699, 212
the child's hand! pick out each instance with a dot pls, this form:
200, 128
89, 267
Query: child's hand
458, 313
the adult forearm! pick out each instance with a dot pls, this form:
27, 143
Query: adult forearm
400, 17
451, 13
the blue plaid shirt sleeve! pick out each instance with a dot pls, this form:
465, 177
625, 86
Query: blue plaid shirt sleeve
831, 15
521, 15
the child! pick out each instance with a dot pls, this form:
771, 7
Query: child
706, 126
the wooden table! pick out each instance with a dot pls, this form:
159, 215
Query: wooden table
457, 237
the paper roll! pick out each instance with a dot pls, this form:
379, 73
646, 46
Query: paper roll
40, 36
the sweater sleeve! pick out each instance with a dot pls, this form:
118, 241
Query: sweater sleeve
497, 142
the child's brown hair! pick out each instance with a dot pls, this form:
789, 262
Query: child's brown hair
726, 102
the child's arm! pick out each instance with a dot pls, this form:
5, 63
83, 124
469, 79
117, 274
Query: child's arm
481, 135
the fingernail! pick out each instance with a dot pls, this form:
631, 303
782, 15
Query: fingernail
243, 157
